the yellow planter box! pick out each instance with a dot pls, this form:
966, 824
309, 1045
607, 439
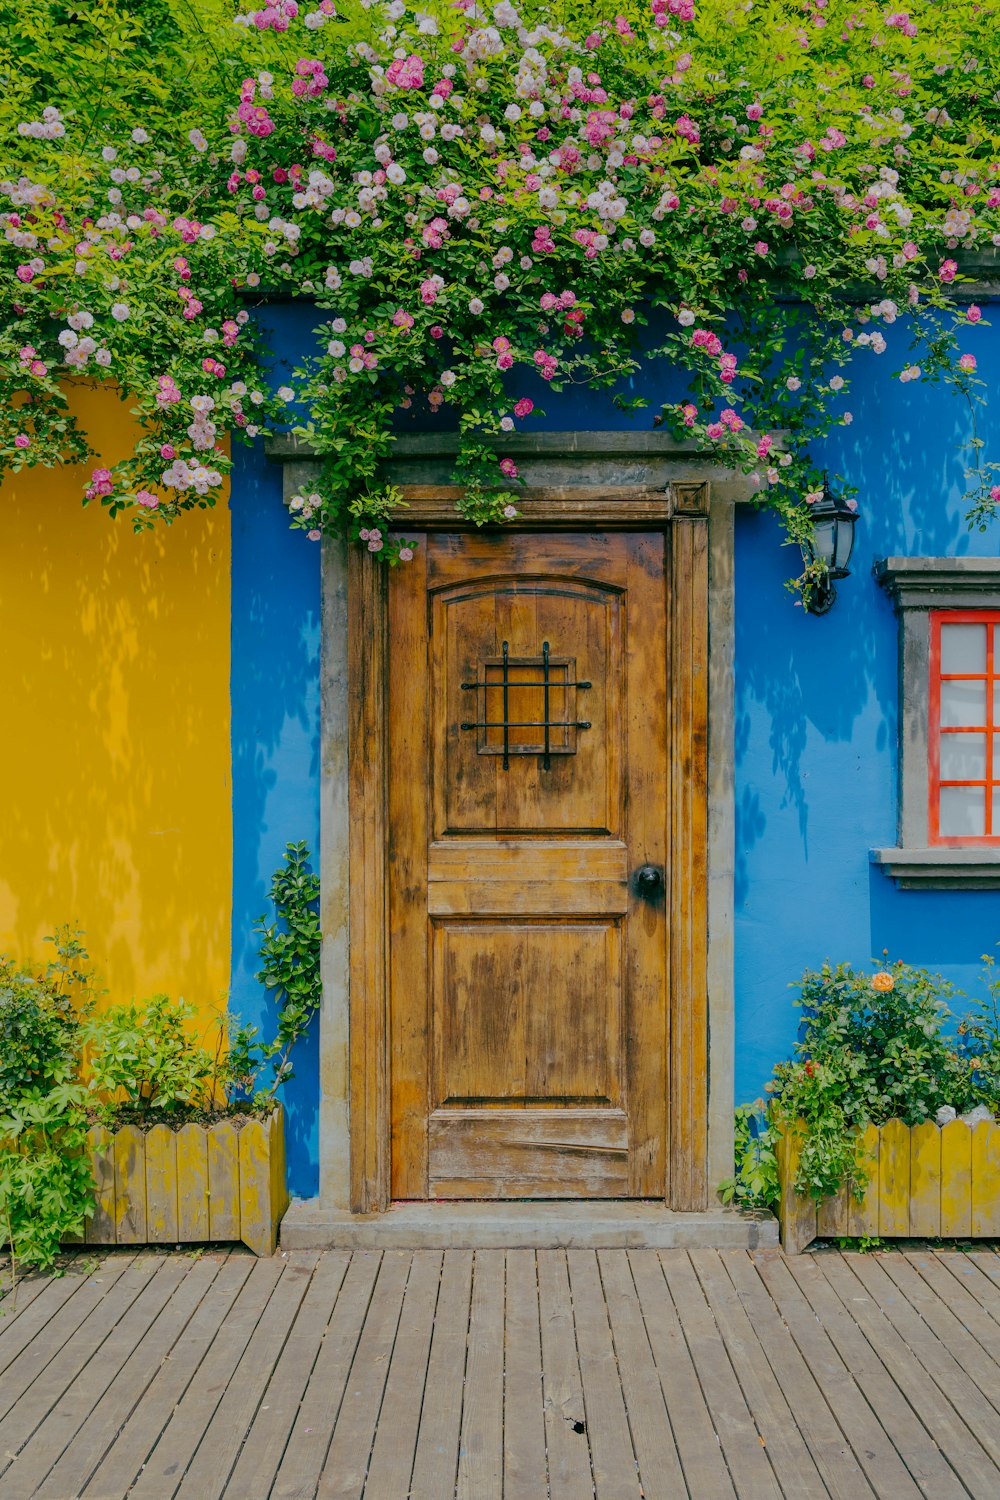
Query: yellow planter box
925, 1181
201, 1182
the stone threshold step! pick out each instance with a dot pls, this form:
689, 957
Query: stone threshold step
523, 1225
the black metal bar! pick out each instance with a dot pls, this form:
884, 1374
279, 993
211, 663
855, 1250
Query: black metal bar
528, 723
506, 713
546, 763
470, 687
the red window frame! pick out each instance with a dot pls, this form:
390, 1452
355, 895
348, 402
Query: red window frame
939, 617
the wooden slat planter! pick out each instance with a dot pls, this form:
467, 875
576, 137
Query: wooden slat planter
925, 1181
201, 1182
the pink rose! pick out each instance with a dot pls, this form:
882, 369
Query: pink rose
143, 497
967, 362
22, 440
524, 407
947, 270
974, 314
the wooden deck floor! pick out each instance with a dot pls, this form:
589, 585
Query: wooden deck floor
517, 1375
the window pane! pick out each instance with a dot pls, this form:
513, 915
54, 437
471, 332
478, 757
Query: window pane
963, 702
962, 811
996, 757
963, 648
963, 757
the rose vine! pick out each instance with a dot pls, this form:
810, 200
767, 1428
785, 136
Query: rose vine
482, 202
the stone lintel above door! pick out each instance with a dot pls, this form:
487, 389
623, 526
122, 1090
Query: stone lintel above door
645, 470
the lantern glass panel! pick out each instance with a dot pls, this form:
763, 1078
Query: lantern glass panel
824, 544
845, 543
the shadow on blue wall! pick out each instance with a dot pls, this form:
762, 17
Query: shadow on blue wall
817, 718
275, 745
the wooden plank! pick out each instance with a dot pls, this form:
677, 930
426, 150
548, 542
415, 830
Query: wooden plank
62, 1420
192, 1184
611, 1451
565, 1416
693, 1424
988, 1262
37, 1396
303, 1459
528, 1153
925, 1180
129, 1152
167, 1463
20, 1295
269, 1432
966, 1269
395, 1443
893, 1181
525, 1472
832, 1214
949, 1433
112, 1411
908, 1433
224, 1181
219, 1445
123, 1461
500, 899
937, 1342
966, 1371
986, 1180
652, 947
885, 1469
100, 1228
830, 1450
35, 1341
956, 1179
745, 1454
480, 1460
958, 1299
786, 1449
343, 1474
435, 1463
19, 1326
367, 760
279, 1176
862, 1213
656, 1454
687, 597
161, 1185
258, 1228
798, 1210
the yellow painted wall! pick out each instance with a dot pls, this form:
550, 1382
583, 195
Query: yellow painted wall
114, 730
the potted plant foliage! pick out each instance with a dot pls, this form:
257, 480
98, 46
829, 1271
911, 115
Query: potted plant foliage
884, 1123
119, 1125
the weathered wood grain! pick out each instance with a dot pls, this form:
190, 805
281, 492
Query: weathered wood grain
379, 1377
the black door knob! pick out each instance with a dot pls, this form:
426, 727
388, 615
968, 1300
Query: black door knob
648, 882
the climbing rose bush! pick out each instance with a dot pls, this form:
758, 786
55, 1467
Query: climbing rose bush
482, 202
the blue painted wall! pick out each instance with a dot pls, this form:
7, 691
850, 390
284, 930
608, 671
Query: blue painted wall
275, 733
816, 708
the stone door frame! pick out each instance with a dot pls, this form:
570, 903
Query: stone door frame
575, 481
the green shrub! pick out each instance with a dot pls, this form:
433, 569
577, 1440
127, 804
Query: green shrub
871, 1048
755, 1183
144, 1056
46, 1189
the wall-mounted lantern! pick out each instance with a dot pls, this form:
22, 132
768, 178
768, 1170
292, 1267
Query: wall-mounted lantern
834, 520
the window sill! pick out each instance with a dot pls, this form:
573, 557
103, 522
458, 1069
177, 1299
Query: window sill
941, 869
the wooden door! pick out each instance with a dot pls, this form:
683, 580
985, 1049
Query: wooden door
527, 867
